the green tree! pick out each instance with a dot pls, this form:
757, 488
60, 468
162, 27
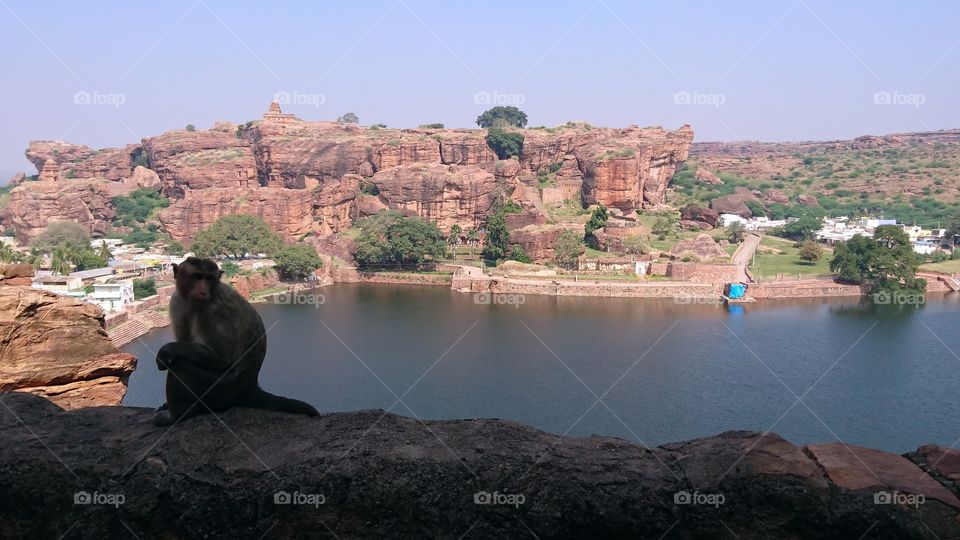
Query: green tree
191, 127
666, 224
497, 241
598, 219
230, 268
172, 247
801, 229
136, 207
392, 239
235, 236
473, 236
886, 261
297, 261
61, 233
756, 207
519, 254
60, 260
454, 238
104, 252
85, 259
500, 116
810, 251
635, 245
7, 254
567, 248
735, 232
143, 288
349, 118
504, 143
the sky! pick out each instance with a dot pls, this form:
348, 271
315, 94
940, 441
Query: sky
110, 73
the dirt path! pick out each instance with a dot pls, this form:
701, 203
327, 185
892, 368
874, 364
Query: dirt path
744, 253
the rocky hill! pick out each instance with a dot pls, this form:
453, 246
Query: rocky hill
317, 178
107, 472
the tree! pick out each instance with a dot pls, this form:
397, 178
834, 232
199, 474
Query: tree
60, 261
7, 254
137, 207
297, 261
392, 239
810, 251
567, 248
497, 241
85, 259
635, 245
143, 288
61, 233
802, 229
502, 117
519, 254
191, 127
505, 144
454, 238
886, 261
172, 247
735, 232
104, 252
756, 207
598, 219
666, 224
235, 236
349, 118
230, 268
473, 236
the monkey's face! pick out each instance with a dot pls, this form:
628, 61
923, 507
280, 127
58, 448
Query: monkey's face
197, 280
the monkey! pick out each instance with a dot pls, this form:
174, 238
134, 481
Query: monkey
214, 364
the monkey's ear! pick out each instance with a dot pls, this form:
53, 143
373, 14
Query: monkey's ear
175, 268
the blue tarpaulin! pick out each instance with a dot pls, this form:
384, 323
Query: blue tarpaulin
737, 290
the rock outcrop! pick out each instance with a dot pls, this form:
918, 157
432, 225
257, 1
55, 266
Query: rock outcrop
703, 246
735, 203
56, 347
538, 241
107, 472
707, 177
698, 217
34, 205
80, 161
191, 160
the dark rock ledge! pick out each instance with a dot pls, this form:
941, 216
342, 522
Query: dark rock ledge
395, 479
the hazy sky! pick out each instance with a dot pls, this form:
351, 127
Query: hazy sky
109, 73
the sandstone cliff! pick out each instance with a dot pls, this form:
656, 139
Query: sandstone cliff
371, 474
56, 347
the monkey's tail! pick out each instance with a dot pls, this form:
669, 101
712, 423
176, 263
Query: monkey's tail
262, 399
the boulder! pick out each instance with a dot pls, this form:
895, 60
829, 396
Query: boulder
56, 346
774, 196
16, 274
707, 177
807, 200
538, 241
16, 180
699, 217
735, 203
703, 246
374, 474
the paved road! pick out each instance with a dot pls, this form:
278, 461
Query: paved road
744, 253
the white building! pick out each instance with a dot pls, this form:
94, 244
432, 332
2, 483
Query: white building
58, 284
112, 296
729, 219
924, 247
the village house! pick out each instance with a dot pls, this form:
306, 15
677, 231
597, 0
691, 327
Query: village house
112, 297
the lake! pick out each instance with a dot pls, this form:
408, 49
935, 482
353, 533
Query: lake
647, 370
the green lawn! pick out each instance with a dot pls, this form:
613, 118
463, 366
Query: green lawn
950, 267
788, 262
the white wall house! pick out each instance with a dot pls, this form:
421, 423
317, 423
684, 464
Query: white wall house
57, 284
112, 296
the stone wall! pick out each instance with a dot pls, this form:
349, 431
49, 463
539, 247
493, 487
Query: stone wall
812, 288
349, 274
583, 288
702, 273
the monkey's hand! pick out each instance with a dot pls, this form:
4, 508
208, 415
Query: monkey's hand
166, 357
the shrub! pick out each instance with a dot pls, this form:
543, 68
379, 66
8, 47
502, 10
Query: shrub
143, 288
436, 125
505, 144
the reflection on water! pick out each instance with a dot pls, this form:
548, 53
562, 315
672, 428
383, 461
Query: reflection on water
879, 376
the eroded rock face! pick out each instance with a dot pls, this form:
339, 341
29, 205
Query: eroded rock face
191, 160
290, 212
56, 347
34, 205
703, 246
538, 241
444, 194
698, 217
413, 479
80, 161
